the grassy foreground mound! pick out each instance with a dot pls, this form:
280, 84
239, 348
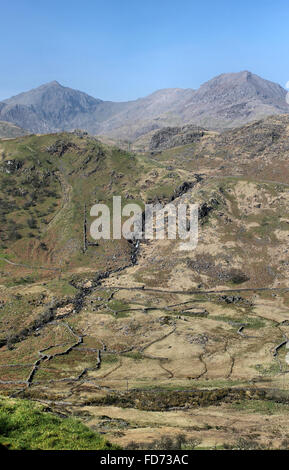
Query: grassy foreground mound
26, 425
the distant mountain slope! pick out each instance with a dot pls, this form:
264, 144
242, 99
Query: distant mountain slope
231, 100
226, 101
160, 109
52, 107
9, 130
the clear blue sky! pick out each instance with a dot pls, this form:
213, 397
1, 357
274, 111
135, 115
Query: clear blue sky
124, 49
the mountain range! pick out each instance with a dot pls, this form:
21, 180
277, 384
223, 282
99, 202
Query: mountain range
226, 101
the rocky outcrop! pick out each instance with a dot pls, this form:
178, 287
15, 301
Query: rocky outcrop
169, 137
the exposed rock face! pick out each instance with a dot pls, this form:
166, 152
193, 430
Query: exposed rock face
267, 138
169, 137
53, 107
230, 100
226, 101
10, 166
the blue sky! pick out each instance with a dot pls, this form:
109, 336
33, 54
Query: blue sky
121, 50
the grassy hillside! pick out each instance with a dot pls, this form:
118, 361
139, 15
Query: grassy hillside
45, 183
24, 425
214, 318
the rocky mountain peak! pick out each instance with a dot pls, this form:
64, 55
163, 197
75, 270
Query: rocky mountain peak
226, 101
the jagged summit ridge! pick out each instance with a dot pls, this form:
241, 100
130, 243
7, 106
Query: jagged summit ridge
226, 101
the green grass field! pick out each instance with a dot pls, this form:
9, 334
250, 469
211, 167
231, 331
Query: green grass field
26, 425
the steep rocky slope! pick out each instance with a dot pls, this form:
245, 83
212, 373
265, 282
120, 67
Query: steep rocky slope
52, 107
226, 101
233, 99
170, 137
